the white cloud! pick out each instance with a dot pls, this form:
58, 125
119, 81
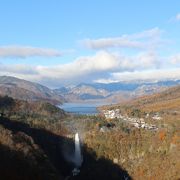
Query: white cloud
27, 51
112, 42
156, 74
144, 60
142, 40
175, 59
175, 18
178, 17
106, 81
101, 61
83, 68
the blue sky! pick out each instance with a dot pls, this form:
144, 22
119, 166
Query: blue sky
63, 42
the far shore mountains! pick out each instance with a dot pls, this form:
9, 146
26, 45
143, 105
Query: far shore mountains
92, 92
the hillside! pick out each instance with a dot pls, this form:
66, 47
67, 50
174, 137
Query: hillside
36, 141
26, 141
166, 101
25, 90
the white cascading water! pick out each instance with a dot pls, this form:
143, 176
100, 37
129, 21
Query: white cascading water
77, 154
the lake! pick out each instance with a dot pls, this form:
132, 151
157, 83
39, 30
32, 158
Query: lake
81, 108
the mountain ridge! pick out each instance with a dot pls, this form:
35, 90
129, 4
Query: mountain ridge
26, 90
167, 101
113, 92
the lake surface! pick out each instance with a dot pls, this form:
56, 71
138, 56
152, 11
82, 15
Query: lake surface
81, 108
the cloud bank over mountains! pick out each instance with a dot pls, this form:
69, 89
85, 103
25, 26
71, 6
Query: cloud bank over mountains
144, 75
108, 63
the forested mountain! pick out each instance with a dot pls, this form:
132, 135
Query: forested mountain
25, 90
166, 101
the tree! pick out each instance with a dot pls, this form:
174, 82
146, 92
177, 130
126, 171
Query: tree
136, 113
6, 103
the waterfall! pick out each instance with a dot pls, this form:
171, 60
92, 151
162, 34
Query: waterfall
77, 154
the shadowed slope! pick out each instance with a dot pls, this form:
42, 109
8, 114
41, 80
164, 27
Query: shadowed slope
53, 146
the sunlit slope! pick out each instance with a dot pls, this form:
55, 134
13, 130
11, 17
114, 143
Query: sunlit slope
165, 101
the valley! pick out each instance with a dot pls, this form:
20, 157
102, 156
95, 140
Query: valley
134, 139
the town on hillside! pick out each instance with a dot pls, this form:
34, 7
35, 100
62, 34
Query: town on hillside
135, 121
